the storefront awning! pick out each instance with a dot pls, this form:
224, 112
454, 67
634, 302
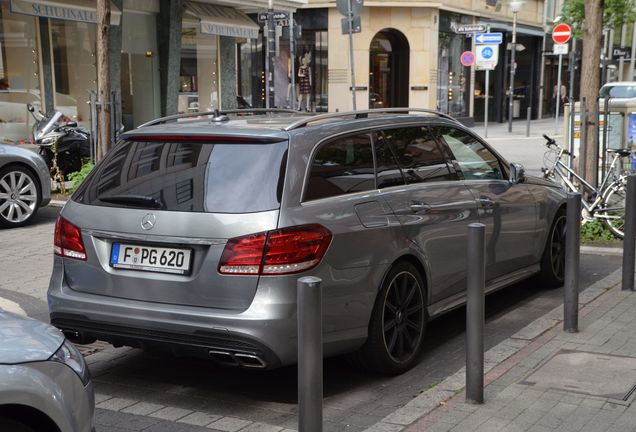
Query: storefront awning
67, 10
223, 21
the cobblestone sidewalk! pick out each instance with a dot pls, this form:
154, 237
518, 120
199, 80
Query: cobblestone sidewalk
525, 392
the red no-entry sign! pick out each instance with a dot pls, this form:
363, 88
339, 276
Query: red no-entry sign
561, 33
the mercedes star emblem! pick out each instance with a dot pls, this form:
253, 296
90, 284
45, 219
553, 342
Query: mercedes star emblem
148, 221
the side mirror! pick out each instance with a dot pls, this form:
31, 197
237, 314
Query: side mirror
517, 173
30, 107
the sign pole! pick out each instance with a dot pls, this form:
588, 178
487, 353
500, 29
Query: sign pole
487, 100
271, 54
558, 96
292, 49
486, 103
353, 73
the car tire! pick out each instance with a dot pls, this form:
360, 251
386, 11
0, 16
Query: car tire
552, 272
9, 424
20, 196
398, 322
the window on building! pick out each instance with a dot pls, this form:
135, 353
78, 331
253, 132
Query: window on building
19, 74
453, 88
199, 76
74, 48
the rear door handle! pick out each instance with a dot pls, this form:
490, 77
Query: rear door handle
486, 203
419, 207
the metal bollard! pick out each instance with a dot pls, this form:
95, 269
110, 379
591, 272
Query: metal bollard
572, 258
629, 240
309, 354
529, 116
475, 313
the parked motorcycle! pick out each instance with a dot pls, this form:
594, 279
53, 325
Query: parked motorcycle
62, 145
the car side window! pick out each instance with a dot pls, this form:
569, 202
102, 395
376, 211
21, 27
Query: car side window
475, 160
420, 156
342, 166
388, 171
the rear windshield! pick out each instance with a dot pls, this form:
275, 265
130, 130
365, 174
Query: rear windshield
189, 177
623, 91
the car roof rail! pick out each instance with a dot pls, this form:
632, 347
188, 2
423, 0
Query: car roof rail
365, 114
220, 115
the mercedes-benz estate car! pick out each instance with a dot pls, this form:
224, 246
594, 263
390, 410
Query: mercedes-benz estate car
45, 384
192, 235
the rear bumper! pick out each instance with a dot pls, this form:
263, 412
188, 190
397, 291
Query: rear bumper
264, 335
239, 339
227, 348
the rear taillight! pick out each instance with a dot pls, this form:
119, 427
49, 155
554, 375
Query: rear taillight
68, 240
282, 251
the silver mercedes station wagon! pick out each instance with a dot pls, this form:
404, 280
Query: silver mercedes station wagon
191, 235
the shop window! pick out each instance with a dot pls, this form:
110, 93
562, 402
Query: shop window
453, 95
199, 81
140, 92
74, 67
19, 74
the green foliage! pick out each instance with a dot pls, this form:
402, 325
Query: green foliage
595, 231
615, 14
78, 177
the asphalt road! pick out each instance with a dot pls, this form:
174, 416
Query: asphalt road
353, 400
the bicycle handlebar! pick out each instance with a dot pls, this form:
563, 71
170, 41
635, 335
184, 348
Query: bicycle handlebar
552, 143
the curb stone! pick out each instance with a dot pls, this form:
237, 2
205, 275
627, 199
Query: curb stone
180, 415
437, 396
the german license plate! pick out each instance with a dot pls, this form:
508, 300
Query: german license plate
150, 258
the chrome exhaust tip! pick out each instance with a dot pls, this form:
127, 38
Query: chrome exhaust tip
223, 357
250, 361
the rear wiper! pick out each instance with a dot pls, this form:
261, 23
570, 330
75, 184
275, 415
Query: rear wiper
133, 200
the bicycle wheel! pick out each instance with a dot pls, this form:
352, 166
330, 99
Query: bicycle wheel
612, 212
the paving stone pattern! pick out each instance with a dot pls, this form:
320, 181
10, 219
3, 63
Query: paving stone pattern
513, 406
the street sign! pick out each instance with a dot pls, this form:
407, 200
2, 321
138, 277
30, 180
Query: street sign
486, 57
276, 15
561, 33
343, 7
356, 25
560, 49
470, 28
467, 58
488, 38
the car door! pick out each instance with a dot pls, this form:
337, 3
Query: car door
434, 208
507, 209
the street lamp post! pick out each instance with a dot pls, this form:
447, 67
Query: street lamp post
515, 7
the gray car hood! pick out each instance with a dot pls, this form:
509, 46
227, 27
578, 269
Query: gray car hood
24, 339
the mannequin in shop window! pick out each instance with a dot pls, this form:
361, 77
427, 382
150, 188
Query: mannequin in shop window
304, 82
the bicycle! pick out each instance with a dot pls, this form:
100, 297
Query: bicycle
605, 203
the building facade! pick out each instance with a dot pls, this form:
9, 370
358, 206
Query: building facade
179, 56
408, 54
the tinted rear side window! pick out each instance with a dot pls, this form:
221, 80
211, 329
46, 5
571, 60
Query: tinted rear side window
342, 166
190, 177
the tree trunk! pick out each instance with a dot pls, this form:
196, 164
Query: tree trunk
103, 78
590, 82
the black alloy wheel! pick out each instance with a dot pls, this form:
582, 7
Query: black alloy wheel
402, 317
553, 260
398, 323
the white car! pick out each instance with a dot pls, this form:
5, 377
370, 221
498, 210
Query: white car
45, 384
